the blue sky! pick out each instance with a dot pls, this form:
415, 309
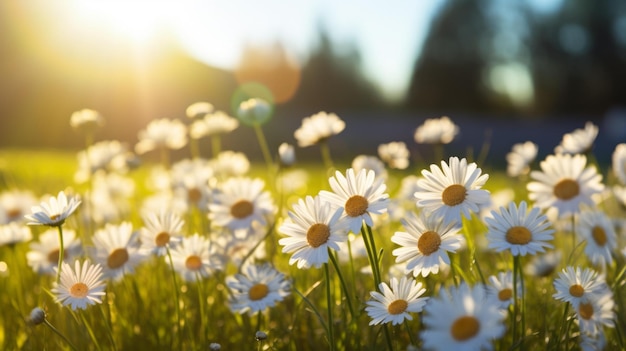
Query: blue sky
389, 34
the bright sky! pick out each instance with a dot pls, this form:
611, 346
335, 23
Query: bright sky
388, 34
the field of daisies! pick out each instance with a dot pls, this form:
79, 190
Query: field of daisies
111, 250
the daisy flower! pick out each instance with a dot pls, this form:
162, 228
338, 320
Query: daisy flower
14, 204
195, 258
360, 195
254, 111
230, 164
618, 162
520, 158
81, 286
426, 243
217, 123
162, 133
452, 190
593, 342
393, 304
370, 163
596, 312
190, 181
160, 231
286, 154
54, 212
597, 230
14, 233
237, 248
86, 120
293, 181
116, 248
110, 197
576, 285
103, 156
44, 253
436, 131
564, 183
463, 318
395, 154
543, 265
500, 288
579, 141
257, 288
238, 202
318, 127
199, 109
519, 230
313, 228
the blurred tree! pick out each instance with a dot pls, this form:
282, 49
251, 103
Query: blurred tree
506, 58
579, 58
448, 72
332, 80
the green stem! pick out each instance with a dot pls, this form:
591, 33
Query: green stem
325, 150
216, 145
107, 320
259, 320
518, 308
388, 337
57, 332
263, 144
329, 303
165, 157
177, 297
313, 307
373, 255
194, 149
61, 253
201, 302
563, 322
94, 339
344, 286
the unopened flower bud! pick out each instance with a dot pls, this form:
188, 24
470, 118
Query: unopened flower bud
260, 336
37, 316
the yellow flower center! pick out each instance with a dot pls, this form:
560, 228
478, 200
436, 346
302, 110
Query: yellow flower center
599, 235
454, 195
162, 239
317, 235
54, 217
194, 195
14, 214
193, 263
576, 290
117, 258
465, 328
566, 189
585, 310
397, 306
505, 294
53, 256
79, 290
518, 235
356, 206
258, 292
241, 209
428, 243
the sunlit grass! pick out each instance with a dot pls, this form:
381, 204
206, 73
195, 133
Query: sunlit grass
141, 312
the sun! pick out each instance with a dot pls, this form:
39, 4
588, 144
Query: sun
135, 21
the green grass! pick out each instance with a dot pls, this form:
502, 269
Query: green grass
140, 311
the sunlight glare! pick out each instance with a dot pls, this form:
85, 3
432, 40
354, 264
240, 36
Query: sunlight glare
137, 21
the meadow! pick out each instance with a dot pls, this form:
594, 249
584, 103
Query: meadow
387, 251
